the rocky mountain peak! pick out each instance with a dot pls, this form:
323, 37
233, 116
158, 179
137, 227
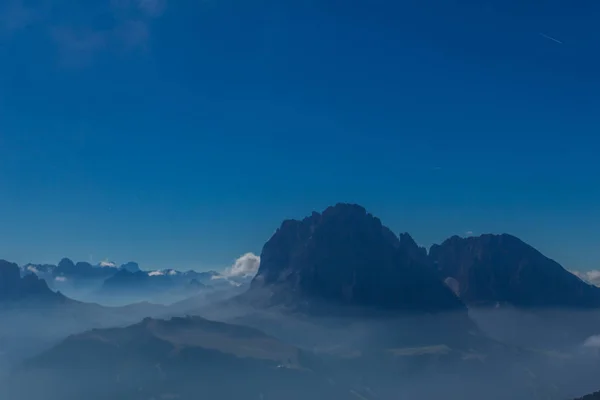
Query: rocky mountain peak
347, 256
492, 269
13, 287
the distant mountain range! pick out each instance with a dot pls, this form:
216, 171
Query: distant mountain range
67, 269
346, 256
115, 285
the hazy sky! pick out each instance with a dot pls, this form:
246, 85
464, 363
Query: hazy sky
181, 133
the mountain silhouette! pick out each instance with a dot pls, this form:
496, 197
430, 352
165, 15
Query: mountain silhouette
346, 257
13, 287
131, 266
501, 269
182, 358
82, 270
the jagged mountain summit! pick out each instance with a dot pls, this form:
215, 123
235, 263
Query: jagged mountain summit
13, 287
110, 284
66, 269
131, 267
345, 256
82, 270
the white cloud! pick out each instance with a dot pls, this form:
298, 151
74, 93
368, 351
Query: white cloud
469, 233
107, 264
170, 272
592, 341
60, 279
33, 269
592, 277
246, 265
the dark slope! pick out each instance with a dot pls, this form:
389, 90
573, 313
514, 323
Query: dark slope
183, 358
593, 396
493, 269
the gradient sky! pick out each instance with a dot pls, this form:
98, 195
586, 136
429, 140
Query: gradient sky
181, 133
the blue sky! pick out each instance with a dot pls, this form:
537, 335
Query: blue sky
181, 133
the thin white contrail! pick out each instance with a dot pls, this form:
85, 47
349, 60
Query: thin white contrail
550, 38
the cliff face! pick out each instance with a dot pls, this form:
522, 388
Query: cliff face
345, 256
